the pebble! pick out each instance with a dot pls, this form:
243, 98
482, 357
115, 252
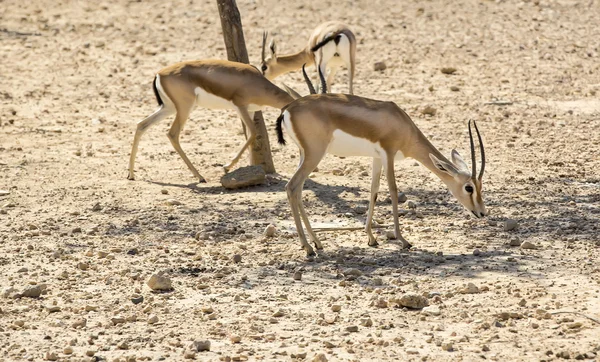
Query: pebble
360, 209
122, 345
189, 354
320, 358
102, 254
244, 177
117, 320
470, 289
68, 350
476, 252
152, 319
164, 191
32, 292
159, 282
352, 272
352, 329
237, 258
173, 202
413, 300
510, 224
298, 275
279, 313
390, 235
402, 198
83, 266
528, 245
522, 302
515, 242
412, 351
366, 322
432, 310
137, 299
234, 338
97, 207
454, 88
448, 70
51, 356
429, 110
379, 66
448, 346
4, 192
82, 322
411, 204
200, 346
53, 309
270, 231
336, 308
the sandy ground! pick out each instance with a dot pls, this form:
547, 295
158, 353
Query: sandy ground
75, 77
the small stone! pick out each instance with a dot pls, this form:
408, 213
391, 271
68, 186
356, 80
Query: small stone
279, 313
470, 289
429, 110
159, 282
432, 310
51, 356
122, 345
412, 351
234, 338
352, 329
173, 202
528, 245
448, 70
4, 192
244, 177
390, 235
510, 224
189, 354
522, 302
360, 210
83, 266
96, 207
535, 325
448, 346
200, 346
68, 350
298, 275
476, 252
366, 322
237, 258
117, 320
137, 299
515, 242
102, 254
411, 204
402, 198
320, 358
91, 308
336, 308
485, 348
574, 325
79, 323
413, 300
270, 231
32, 292
90, 353
379, 66
76, 230
53, 309
454, 88
152, 319
352, 272
164, 191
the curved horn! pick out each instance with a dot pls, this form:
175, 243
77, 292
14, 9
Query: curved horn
473, 160
323, 83
482, 153
264, 44
311, 88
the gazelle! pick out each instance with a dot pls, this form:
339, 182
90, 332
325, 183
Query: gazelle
346, 125
331, 45
215, 84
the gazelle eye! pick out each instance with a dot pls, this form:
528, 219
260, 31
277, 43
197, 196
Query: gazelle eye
264, 68
469, 189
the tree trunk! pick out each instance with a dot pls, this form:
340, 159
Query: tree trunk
233, 34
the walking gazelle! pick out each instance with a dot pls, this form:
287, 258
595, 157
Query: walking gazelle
331, 45
347, 125
214, 84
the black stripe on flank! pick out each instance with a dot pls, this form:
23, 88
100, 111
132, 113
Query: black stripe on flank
158, 100
279, 130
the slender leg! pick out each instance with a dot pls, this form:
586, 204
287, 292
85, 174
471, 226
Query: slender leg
160, 114
377, 164
294, 192
311, 234
394, 196
174, 132
249, 123
351, 76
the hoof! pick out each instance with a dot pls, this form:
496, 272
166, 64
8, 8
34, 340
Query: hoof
310, 253
373, 243
130, 177
406, 245
202, 180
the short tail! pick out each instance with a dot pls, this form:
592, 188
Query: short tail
335, 37
158, 99
279, 130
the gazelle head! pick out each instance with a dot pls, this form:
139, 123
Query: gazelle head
268, 65
465, 185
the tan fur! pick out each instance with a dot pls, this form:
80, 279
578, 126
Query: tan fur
241, 84
314, 119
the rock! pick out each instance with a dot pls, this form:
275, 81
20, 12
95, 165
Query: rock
379, 66
515, 242
366, 322
244, 177
413, 300
97, 207
411, 204
448, 346
390, 235
336, 308
32, 292
51, 356
454, 88
279, 313
320, 358
270, 231
522, 302
476, 252
68, 350
173, 202
137, 299
485, 348
234, 338
53, 309
528, 245
352, 329
412, 351
200, 346
159, 282
448, 70
4, 192
122, 345
102, 254
152, 319
510, 224
117, 320
237, 258
470, 289
79, 323
298, 275
432, 310
164, 191
10, 293
360, 210
352, 272
189, 354
402, 198
429, 110
83, 266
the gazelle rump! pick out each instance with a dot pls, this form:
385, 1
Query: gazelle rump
214, 84
331, 45
346, 125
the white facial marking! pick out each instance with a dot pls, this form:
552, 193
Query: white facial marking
344, 144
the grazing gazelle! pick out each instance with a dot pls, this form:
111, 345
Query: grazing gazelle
215, 84
346, 125
331, 45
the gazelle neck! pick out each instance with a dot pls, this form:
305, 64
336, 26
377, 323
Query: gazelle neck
290, 62
420, 150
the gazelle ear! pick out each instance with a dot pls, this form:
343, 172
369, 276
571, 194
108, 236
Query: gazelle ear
272, 47
443, 166
459, 162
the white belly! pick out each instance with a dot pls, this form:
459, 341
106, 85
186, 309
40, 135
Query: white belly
344, 144
208, 100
